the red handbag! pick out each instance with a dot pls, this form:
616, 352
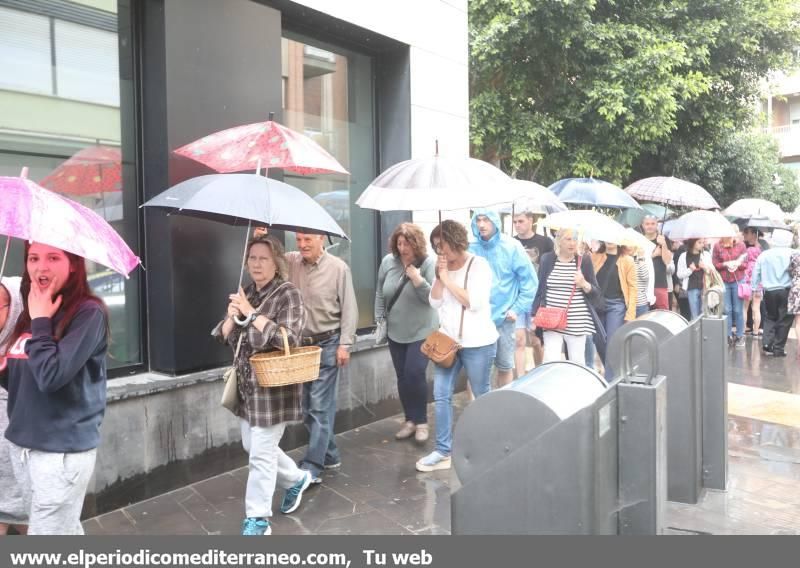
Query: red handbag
554, 319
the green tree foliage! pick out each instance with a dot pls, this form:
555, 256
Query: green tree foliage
575, 87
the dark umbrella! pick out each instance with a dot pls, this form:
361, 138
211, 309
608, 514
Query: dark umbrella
592, 192
237, 199
761, 223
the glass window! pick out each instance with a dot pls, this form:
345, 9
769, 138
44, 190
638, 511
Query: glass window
25, 59
87, 63
74, 145
328, 95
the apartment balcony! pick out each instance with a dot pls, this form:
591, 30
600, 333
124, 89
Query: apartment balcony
788, 137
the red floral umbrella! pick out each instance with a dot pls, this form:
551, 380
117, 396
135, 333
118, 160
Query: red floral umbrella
95, 169
261, 144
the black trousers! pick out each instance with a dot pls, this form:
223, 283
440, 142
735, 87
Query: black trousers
778, 321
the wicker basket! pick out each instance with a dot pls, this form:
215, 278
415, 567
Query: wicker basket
287, 367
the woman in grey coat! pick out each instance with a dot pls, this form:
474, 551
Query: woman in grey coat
401, 299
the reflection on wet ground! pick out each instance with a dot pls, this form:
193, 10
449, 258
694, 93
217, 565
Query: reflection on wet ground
377, 490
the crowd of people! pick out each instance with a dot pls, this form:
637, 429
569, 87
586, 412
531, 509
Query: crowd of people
487, 293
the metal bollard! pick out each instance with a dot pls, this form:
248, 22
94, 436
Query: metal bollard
642, 400
715, 396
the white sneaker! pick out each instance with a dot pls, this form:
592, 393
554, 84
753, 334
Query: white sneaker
433, 461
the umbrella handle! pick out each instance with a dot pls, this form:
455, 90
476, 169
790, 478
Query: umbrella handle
5, 257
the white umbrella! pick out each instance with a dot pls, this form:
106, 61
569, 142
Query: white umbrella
438, 183
637, 240
590, 225
751, 207
700, 225
535, 198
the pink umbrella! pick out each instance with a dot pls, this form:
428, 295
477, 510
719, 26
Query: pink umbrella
30, 212
261, 144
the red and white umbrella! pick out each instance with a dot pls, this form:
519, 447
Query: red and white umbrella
261, 144
672, 191
93, 170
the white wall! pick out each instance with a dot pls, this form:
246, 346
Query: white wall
436, 31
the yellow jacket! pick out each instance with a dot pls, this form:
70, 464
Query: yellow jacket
627, 280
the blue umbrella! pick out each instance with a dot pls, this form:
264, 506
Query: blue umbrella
592, 192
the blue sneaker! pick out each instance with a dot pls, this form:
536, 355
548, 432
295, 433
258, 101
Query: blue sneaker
293, 496
255, 526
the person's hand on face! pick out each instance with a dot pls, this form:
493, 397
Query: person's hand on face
41, 303
441, 268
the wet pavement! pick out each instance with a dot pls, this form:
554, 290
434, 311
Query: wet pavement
378, 491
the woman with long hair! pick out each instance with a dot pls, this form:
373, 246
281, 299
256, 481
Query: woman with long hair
252, 325
55, 373
692, 268
405, 278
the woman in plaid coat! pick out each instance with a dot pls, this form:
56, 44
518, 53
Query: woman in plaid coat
256, 315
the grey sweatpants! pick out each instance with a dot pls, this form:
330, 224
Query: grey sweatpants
57, 485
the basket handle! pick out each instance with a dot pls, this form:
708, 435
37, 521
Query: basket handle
285, 335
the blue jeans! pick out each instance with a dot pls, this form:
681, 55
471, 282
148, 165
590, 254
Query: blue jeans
410, 366
477, 362
695, 297
612, 317
734, 309
506, 346
641, 310
319, 411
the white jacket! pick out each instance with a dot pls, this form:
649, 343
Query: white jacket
683, 271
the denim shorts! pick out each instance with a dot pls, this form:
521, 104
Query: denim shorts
523, 321
506, 345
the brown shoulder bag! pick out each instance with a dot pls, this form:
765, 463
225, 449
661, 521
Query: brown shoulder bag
440, 347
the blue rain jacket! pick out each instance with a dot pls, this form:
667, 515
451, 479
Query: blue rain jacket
514, 283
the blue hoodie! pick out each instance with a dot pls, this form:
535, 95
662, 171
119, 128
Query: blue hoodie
514, 284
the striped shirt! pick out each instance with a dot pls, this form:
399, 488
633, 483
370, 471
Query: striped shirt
281, 303
641, 282
559, 287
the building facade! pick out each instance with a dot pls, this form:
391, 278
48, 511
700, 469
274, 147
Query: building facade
117, 85
781, 107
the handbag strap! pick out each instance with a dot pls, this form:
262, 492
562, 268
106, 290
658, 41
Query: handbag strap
463, 308
574, 285
395, 296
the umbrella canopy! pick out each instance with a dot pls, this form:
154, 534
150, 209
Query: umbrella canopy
535, 198
31, 212
589, 225
438, 183
637, 240
593, 192
672, 191
700, 225
242, 198
750, 207
761, 223
634, 217
95, 169
261, 144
